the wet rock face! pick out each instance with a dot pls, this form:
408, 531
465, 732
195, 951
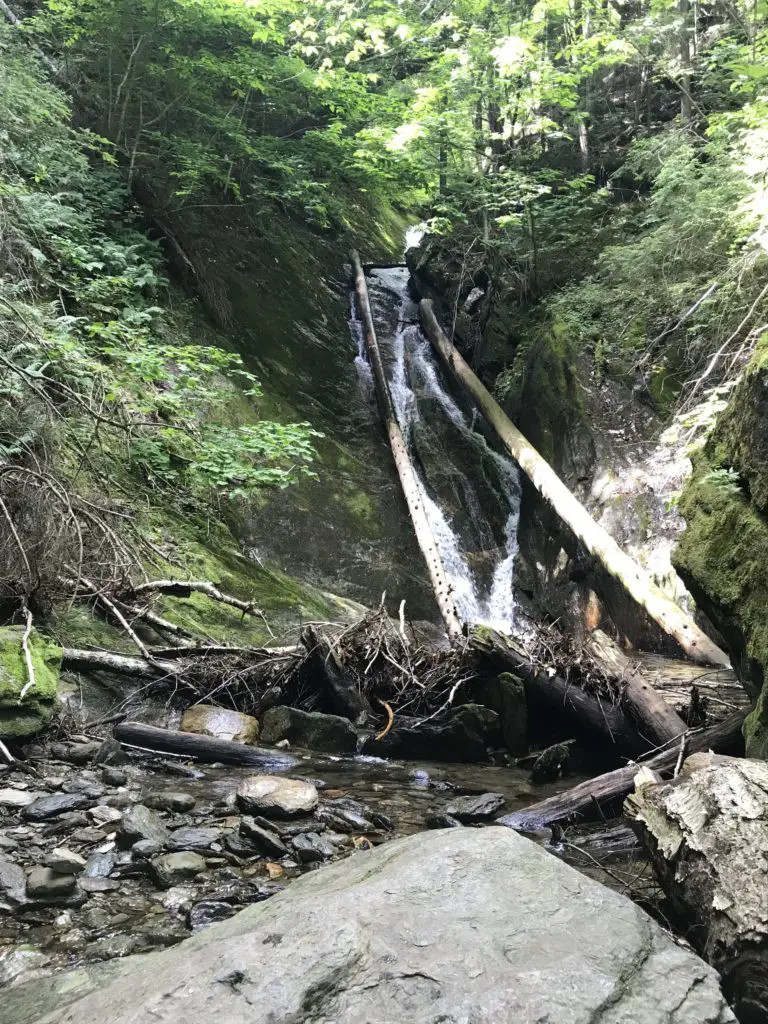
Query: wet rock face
275, 796
381, 939
313, 730
220, 723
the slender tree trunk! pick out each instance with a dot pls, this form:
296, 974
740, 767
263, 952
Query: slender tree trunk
685, 61
673, 620
408, 478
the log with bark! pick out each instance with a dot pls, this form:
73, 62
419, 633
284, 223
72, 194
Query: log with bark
200, 748
591, 799
673, 621
633, 734
409, 480
706, 832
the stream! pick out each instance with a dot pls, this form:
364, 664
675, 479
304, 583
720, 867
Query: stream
470, 490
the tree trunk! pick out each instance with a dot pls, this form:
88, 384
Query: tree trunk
585, 799
707, 835
685, 62
202, 748
408, 478
672, 619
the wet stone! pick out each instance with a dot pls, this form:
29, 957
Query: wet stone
113, 776
75, 753
90, 788
265, 841
172, 868
52, 806
64, 862
7, 845
88, 835
12, 882
193, 838
43, 883
15, 798
145, 849
472, 809
442, 821
220, 723
310, 846
311, 729
170, 801
104, 815
97, 884
111, 753
99, 865
274, 795
139, 822
208, 912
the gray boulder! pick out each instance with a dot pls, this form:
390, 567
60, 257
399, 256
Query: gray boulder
276, 796
310, 729
464, 926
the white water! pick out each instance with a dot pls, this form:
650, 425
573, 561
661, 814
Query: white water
481, 486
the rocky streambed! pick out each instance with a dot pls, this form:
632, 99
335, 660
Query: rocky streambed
101, 860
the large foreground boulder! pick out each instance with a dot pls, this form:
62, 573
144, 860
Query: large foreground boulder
462, 927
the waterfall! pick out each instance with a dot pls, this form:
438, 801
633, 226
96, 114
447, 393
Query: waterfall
471, 492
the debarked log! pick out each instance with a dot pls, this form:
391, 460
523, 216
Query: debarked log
706, 832
200, 748
671, 619
587, 799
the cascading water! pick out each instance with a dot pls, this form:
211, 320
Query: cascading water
470, 491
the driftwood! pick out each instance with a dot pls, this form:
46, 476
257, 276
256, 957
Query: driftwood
200, 748
408, 477
585, 799
670, 618
322, 662
554, 694
707, 835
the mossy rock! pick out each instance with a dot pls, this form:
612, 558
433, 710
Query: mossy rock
20, 719
505, 694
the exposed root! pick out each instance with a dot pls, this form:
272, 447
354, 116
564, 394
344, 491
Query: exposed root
390, 719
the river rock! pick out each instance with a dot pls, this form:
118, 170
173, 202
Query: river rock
263, 839
310, 846
464, 737
208, 912
64, 862
99, 865
275, 795
16, 798
113, 776
467, 925
13, 883
172, 868
311, 729
505, 694
145, 849
193, 838
139, 822
52, 806
171, 801
441, 820
220, 723
75, 753
471, 809
43, 883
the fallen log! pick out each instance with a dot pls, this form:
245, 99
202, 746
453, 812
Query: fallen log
555, 695
409, 480
321, 663
674, 622
586, 798
200, 748
707, 836
124, 664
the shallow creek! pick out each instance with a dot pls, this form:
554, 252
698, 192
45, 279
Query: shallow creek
126, 910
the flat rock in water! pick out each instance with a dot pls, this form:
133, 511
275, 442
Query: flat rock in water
311, 729
263, 839
469, 925
52, 806
193, 838
172, 868
470, 809
274, 795
64, 862
310, 846
179, 802
42, 883
139, 822
97, 884
208, 912
15, 798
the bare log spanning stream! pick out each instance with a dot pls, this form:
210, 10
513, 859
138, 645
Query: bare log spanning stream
408, 479
670, 618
